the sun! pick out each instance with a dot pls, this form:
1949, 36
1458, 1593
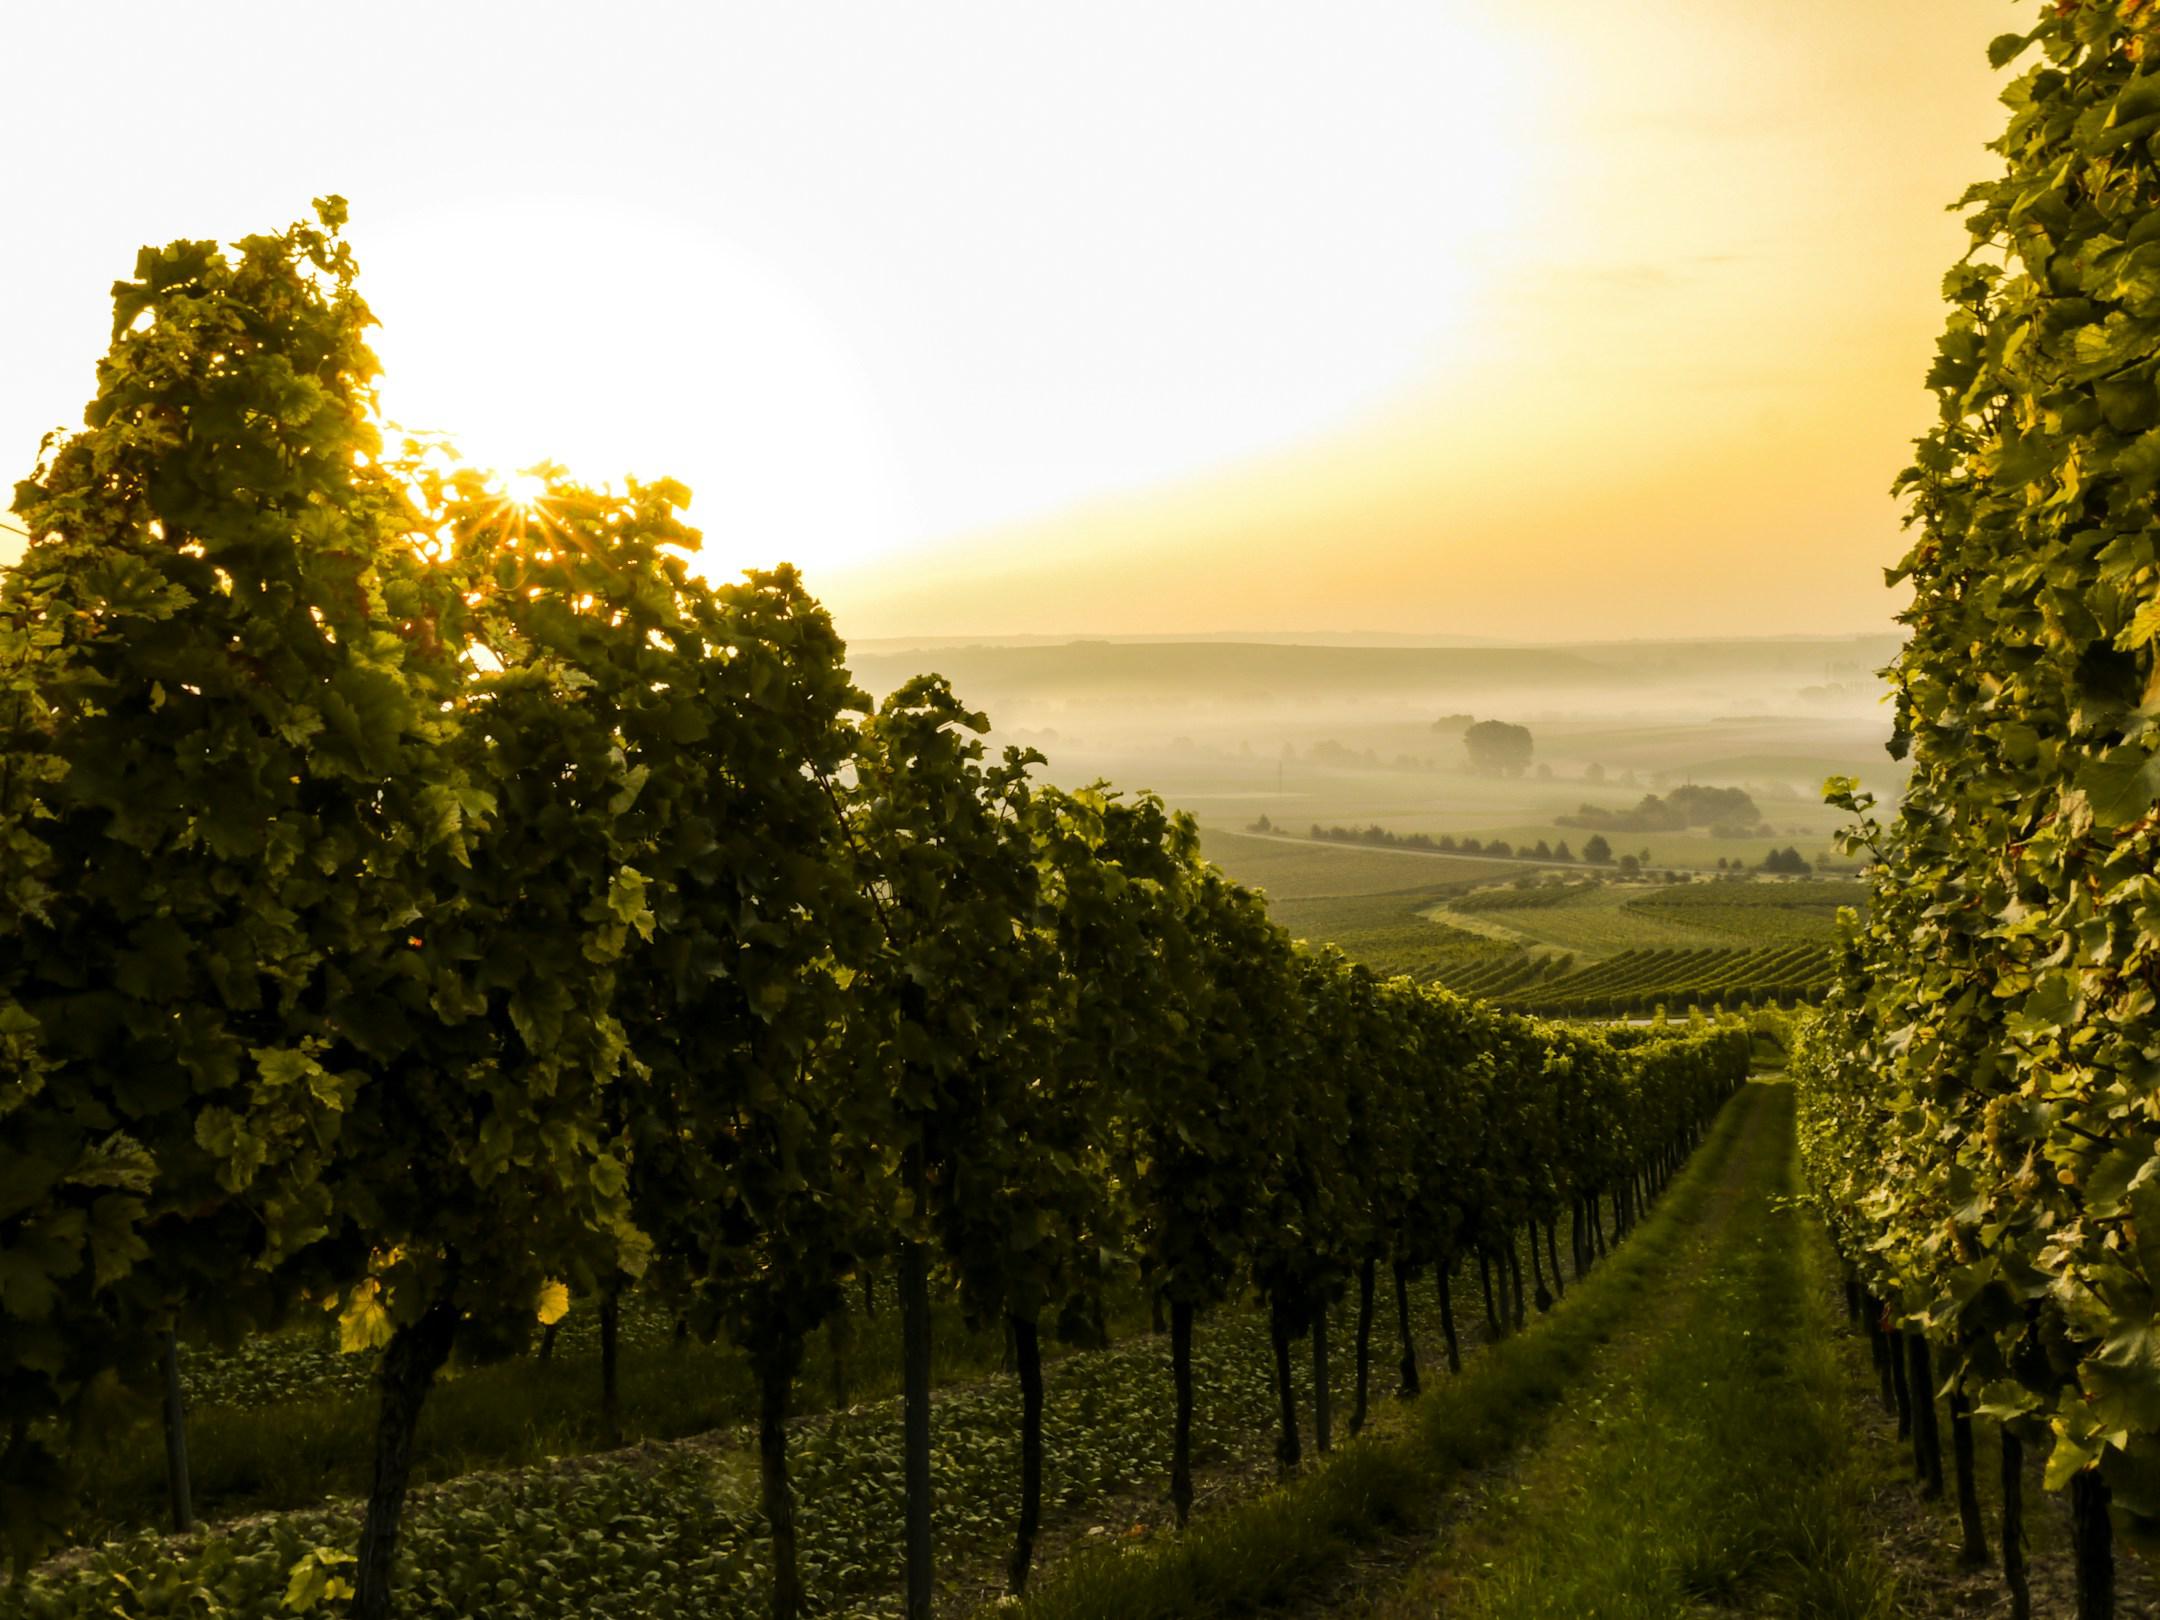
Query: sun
648, 350
524, 490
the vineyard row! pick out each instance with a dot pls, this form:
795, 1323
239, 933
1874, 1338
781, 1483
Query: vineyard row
426, 907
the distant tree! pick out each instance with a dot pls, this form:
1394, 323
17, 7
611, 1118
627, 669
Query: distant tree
1470, 846
1596, 851
1499, 846
1543, 851
1454, 724
1629, 866
1561, 852
1446, 842
1726, 811
1713, 806
1593, 772
1644, 857
1263, 825
1789, 862
1497, 748
1721, 863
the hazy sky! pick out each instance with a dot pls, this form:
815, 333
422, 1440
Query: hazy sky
1453, 316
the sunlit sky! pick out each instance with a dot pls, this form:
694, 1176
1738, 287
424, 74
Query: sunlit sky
1444, 317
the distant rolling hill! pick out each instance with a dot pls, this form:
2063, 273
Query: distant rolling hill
1089, 673
1231, 671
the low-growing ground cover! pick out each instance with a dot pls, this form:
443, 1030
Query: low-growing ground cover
676, 1528
283, 1421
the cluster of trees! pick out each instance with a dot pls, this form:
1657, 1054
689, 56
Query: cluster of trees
1497, 748
1597, 852
1787, 862
1727, 812
1980, 1104
426, 906
1445, 844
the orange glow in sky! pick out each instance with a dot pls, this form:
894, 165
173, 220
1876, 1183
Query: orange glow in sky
1453, 316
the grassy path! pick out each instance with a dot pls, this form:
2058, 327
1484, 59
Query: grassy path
1706, 1465
1673, 1440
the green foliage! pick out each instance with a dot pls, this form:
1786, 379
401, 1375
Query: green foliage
1116, 874
1979, 1095
953, 1006
714, 719
1687, 806
1498, 747
229, 782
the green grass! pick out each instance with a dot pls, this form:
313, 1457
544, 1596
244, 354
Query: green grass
1709, 1469
1705, 1469
1290, 1541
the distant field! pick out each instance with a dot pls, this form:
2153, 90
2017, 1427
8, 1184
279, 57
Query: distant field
1757, 912
1297, 868
1230, 788
1372, 737
1636, 981
1595, 920
1598, 919
1390, 933
1588, 947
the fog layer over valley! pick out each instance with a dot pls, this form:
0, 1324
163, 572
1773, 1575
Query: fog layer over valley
1370, 737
